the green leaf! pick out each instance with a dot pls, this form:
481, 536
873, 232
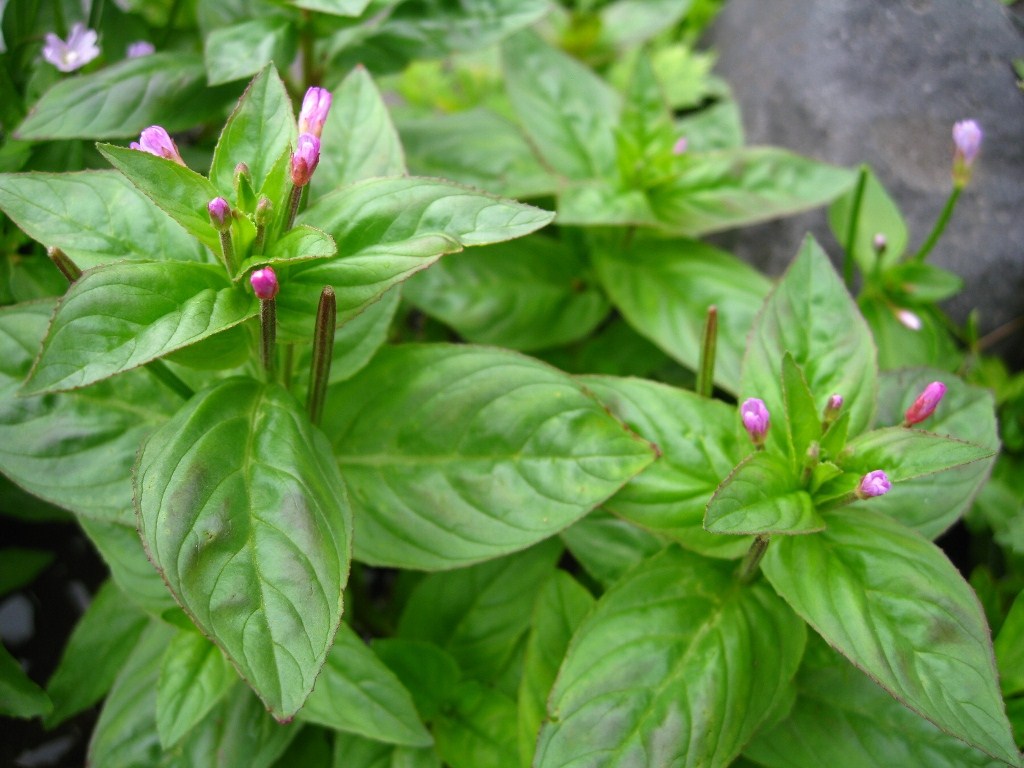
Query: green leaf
122, 99
630, 22
762, 496
480, 614
812, 317
75, 450
645, 136
121, 316
478, 730
697, 440
890, 601
664, 289
560, 607
297, 244
359, 140
261, 127
879, 215
803, 420
900, 346
352, 751
95, 217
908, 453
1009, 647
526, 294
243, 49
842, 718
675, 660
357, 693
313, 747
478, 148
245, 516
194, 677
506, 449
19, 567
607, 546
429, 673
915, 282
338, 7
19, 696
567, 111
95, 653
179, 191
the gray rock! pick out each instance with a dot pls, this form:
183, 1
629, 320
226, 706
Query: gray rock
849, 81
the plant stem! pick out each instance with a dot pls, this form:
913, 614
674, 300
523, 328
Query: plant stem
851, 229
164, 374
63, 262
940, 224
95, 14
268, 335
706, 369
323, 352
227, 247
169, 25
748, 568
288, 367
293, 206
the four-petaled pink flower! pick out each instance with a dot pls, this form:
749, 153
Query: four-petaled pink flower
156, 141
140, 48
304, 159
873, 484
264, 283
756, 419
78, 51
313, 115
925, 404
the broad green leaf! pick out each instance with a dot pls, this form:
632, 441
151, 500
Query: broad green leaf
95, 217
357, 693
479, 614
243, 49
338, 7
803, 419
478, 730
122, 99
20, 566
527, 294
125, 734
359, 141
261, 127
121, 316
567, 111
77, 449
901, 347
932, 503
664, 289
1009, 647
675, 666
351, 751
841, 718
194, 677
717, 126
607, 546
921, 282
476, 147
630, 22
312, 747
560, 607
615, 349
812, 317
879, 215
890, 601
905, 454
97, 649
19, 696
245, 516
762, 496
457, 454
698, 446
297, 244
427, 671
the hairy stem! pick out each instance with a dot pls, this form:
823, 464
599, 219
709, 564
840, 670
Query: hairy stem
323, 352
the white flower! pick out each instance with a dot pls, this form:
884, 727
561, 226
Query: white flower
78, 51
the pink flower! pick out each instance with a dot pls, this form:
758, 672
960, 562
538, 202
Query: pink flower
304, 159
140, 48
967, 138
925, 404
156, 141
909, 319
680, 146
756, 419
220, 213
873, 484
78, 51
313, 115
264, 283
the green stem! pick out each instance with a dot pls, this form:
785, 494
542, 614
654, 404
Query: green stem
323, 352
95, 14
268, 335
164, 374
288, 367
940, 225
63, 262
706, 369
293, 206
851, 229
748, 568
227, 247
169, 25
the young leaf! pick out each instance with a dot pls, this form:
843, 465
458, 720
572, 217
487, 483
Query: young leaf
121, 316
97, 649
95, 217
607, 546
240, 50
879, 215
567, 111
890, 601
664, 289
261, 127
674, 660
245, 516
429, 430
297, 244
357, 693
699, 448
194, 677
803, 417
560, 607
842, 718
811, 316
19, 696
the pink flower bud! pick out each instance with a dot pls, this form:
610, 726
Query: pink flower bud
755, 419
873, 484
264, 283
220, 214
925, 404
879, 242
313, 115
679, 148
304, 159
140, 48
967, 138
156, 141
78, 51
835, 402
909, 319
